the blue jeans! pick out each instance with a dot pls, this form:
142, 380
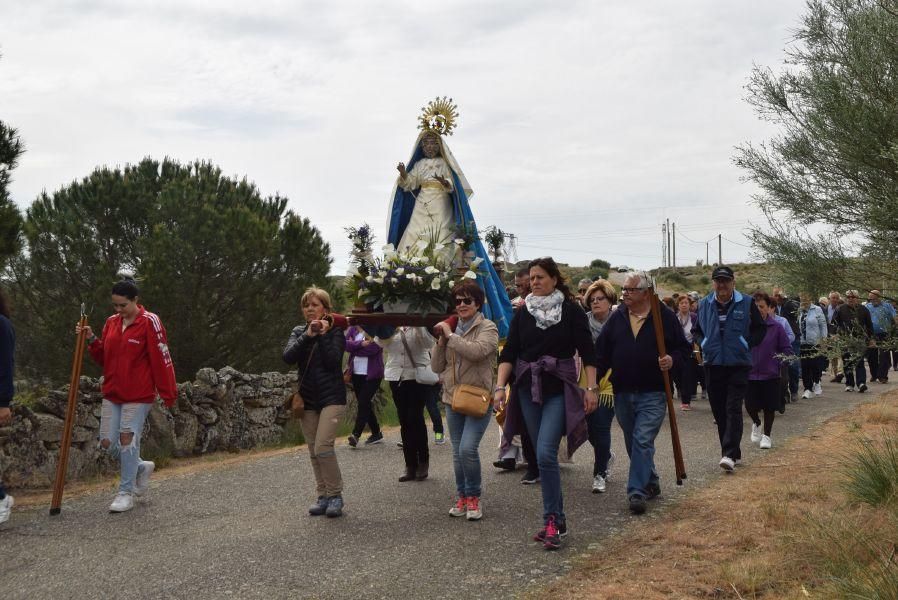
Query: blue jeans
640, 416
118, 419
546, 424
599, 424
466, 433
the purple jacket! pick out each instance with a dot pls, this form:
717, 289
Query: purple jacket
372, 351
575, 417
764, 364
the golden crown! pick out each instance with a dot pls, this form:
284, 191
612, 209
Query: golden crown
439, 116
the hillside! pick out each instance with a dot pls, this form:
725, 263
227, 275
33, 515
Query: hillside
749, 277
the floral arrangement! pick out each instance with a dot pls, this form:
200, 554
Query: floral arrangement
420, 276
362, 242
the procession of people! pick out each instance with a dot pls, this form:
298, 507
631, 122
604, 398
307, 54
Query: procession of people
554, 365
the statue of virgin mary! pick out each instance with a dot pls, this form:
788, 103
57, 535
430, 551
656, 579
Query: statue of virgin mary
430, 202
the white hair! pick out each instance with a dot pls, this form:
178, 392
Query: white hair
645, 281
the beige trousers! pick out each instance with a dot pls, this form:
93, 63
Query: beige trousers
320, 430
836, 366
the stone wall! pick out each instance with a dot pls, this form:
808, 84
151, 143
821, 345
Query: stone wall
221, 410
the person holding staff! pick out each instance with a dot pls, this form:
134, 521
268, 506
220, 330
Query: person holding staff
133, 351
545, 397
317, 349
466, 356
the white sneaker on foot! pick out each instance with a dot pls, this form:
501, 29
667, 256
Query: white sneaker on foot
142, 483
818, 389
460, 509
849, 388
766, 442
5, 508
598, 485
123, 502
807, 394
727, 464
755, 433
475, 509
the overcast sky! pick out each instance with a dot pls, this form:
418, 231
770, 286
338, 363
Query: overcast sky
583, 124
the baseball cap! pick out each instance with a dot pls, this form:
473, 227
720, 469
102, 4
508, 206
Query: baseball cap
723, 272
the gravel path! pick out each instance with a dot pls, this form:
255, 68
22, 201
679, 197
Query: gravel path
242, 531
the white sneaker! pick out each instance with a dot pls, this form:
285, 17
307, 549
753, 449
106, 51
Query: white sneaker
755, 433
123, 502
598, 485
818, 389
475, 509
5, 508
727, 464
766, 442
807, 394
849, 388
142, 483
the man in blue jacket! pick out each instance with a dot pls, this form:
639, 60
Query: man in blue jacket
728, 326
628, 347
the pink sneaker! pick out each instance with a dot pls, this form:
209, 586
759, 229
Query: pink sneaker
461, 507
475, 510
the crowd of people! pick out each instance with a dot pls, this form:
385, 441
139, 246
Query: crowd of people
572, 363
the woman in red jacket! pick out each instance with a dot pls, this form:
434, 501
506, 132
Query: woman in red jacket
133, 352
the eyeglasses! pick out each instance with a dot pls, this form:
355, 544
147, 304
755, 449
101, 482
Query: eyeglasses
465, 301
597, 299
629, 290
583, 290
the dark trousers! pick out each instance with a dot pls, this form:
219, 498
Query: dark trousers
855, 372
879, 360
726, 391
529, 453
686, 380
795, 368
410, 398
433, 407
598, 424
365, 389
810, 366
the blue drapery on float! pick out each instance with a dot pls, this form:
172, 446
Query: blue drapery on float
497, 306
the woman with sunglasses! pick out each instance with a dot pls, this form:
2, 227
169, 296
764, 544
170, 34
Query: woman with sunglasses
601, 297
466, 356
543, 338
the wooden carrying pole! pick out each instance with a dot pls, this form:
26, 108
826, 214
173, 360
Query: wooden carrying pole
65, 444
679, 465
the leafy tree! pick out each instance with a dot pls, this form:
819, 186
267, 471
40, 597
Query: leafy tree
221, 265
11, 148
829, 180
598, 268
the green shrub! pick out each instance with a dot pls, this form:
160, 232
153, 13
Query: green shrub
872, 472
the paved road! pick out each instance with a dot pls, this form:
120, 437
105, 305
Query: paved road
242, 531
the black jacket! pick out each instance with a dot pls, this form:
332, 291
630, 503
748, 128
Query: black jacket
789, 311
853, 319
634, 361
321, 376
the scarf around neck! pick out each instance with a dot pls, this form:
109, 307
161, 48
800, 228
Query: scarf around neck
545, 309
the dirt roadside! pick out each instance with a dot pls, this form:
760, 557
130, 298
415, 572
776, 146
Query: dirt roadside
740, 537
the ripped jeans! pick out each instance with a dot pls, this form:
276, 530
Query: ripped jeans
123, 421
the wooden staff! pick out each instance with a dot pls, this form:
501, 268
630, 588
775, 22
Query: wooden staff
74, 384
679, 465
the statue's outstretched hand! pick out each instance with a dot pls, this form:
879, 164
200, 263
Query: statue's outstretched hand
443, 181
401, 168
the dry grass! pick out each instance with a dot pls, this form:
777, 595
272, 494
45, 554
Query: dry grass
779, 530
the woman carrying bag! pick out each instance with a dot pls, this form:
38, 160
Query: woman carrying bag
467, 357
317, 350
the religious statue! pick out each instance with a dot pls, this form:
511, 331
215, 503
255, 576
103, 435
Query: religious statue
430, 204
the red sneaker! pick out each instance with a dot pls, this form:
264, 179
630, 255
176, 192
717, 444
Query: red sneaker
475, 511
461, 507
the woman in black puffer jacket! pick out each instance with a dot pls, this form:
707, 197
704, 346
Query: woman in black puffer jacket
317, 349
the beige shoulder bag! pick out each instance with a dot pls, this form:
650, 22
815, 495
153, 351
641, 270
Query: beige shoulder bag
469, 400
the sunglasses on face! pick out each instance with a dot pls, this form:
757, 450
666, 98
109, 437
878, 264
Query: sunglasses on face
465, 301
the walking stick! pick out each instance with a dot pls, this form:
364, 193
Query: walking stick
679, 465
66, 442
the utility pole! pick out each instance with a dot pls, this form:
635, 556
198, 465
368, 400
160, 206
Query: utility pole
674, 246
719, 248
707, 262
668, 242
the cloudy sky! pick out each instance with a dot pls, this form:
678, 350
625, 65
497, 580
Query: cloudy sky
584, 124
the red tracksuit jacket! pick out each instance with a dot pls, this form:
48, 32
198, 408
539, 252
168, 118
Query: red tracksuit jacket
136, 363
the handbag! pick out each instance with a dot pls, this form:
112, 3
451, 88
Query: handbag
295, 404
469, 400
423, 373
